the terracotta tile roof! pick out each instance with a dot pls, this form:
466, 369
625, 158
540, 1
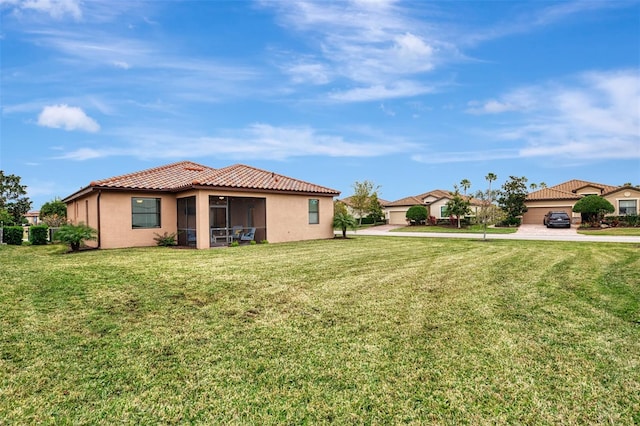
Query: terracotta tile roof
246, 177
186, 174
168, 177
568, 190
438, 194
407, 201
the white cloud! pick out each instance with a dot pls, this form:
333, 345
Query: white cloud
314, 73
257, 141
490, 107
592, 116
121, 64
55, 8
400, 89
370, 45
68, 118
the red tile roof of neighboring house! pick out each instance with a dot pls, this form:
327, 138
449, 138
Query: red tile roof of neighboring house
407, 201
187, 174
438, 194
568, 190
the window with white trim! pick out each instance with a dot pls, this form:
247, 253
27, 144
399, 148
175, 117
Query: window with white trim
627, 207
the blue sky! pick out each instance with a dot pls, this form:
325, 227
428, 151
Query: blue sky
413, 95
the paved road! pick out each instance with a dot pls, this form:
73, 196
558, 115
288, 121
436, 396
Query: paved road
525, 232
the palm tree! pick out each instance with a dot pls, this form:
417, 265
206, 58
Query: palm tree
490, 177
343, 221
465, 184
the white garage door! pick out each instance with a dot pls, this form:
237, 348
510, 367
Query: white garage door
535, 215
397, 218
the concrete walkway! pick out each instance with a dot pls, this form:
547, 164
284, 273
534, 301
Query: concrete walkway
525, 232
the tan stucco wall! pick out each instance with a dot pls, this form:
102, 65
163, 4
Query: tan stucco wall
287, 216
555, 205
624, 194
587, 190
115, 218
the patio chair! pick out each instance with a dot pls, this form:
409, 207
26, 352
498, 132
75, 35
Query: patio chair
236, 232
249, 235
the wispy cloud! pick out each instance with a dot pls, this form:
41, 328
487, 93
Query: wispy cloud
376, 49
589, 117
57, 9
257, 141
525, 20
68, 118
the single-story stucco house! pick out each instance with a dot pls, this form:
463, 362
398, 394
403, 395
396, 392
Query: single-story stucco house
435, 201
202, 205
349, 203
564, 196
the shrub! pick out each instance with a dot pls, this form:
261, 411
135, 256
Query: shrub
166, 239
252, 242
234, 244
367, 220
264, 242
75, 235
13, 235
593, 207
509, 221
632, 220
417, 214
38, 234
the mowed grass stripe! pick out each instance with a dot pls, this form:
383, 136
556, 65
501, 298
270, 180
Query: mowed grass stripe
364, 330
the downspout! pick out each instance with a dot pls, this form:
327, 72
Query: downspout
98, 207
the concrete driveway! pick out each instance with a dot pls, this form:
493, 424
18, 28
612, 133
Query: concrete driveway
525, 232
543, 230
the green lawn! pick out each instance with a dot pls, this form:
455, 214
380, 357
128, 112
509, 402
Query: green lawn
472, 229
611, 231
359, 331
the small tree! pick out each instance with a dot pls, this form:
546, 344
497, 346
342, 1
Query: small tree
361, 198
75, 235
512, 197
487, 203
12, 197
339, 207
458, 206
375, 208
417, 214
54, 207
343, 221
593, 208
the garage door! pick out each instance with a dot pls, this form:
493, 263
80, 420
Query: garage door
398, 218
535, 215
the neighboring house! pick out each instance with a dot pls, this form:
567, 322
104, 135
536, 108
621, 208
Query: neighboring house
33, 217
564, 196
347, 202
202, 205
435, 201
